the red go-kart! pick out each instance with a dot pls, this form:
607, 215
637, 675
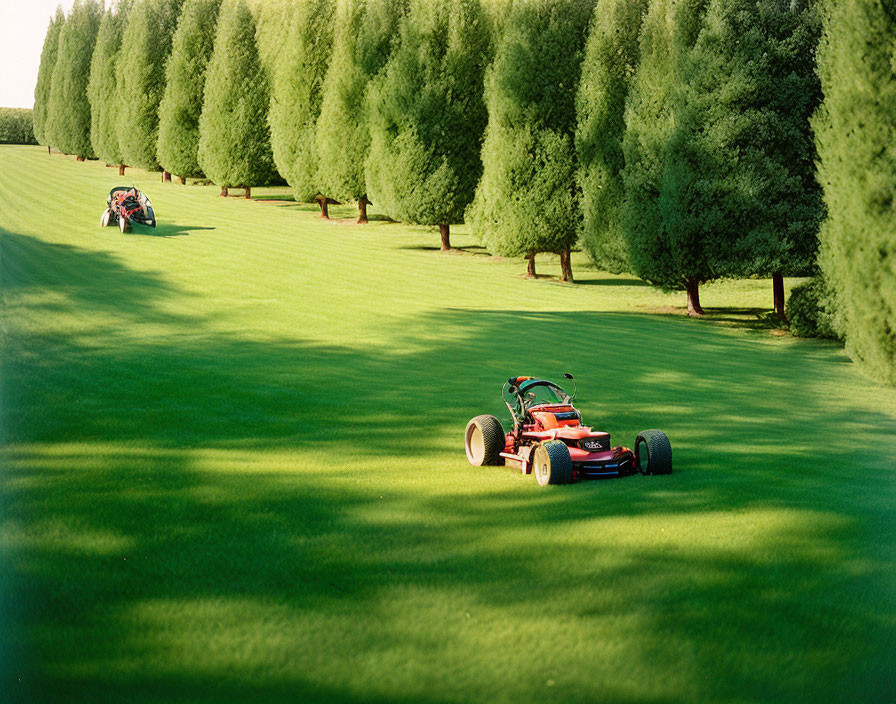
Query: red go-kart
549, 440
127, 205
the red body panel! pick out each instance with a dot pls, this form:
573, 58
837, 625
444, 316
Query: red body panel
579, 455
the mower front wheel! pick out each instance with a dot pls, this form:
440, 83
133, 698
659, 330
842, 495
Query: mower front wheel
123, 224
484, 441
551, 463
104, 219
653, 452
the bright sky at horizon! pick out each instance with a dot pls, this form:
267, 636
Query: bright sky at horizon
23, 25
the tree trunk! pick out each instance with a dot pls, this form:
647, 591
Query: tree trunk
48, 150
778, 294
224, 192
324, 204
362, 209
79, 158
445, 234
166, 177
183, 180
121, 168
566, 266
693, 288
248, 191
530, 266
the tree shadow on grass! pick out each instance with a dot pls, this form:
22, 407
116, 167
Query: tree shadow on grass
201, 518
275, 198
69, 278
606, 281
467, 249
345, 213
168, 229
745, 318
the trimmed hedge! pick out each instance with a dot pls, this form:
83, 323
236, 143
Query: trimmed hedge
856, 134
16, 126
811, 310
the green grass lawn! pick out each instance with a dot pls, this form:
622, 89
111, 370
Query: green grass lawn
234, 472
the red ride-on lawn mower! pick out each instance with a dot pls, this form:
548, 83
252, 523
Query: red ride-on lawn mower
549, 440
127, 205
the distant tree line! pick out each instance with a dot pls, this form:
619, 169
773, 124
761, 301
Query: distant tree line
682, 141
16, 126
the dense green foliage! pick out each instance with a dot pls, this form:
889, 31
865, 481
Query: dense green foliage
811, 310
363, 32
298, 73
17, 126
856, 133
185, 81
68, 110
141, 78
45, 75
741, 176
427, 114
233, 472
102, 89
234, 137
611, 57
666, 247
526, 200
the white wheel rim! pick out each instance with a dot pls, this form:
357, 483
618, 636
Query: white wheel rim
475, 445
542, 464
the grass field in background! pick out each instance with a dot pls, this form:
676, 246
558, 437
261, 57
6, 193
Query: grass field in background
233, 471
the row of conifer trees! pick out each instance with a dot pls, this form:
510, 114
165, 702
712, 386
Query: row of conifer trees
674, 139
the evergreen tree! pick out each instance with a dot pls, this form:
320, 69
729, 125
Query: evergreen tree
362, 40
427, 115
526, 201
68, 112
141, 78
743, 177
666, 245
102, 87
45, 76
271, 19
182, 103
297, 78
856, 137
234, 137
611, 57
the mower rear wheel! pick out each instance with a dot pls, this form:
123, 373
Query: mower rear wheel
123, 224
551, 463
484, 441
653, 452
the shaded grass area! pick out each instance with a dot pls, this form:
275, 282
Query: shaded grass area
233, 471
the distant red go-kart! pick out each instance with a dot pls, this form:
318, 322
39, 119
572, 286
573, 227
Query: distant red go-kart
549, 440
127, 205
